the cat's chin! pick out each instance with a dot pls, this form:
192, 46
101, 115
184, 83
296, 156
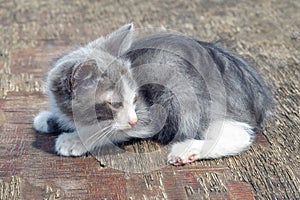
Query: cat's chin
122, 128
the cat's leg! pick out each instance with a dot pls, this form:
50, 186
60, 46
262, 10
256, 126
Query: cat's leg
46, 122
226, 138
69, 144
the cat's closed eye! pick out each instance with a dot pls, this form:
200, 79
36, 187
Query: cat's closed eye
135, 100
115, 105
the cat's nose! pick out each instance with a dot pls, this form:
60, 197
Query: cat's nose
133, 122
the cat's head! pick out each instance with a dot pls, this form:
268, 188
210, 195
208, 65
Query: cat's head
111, 94
101, 82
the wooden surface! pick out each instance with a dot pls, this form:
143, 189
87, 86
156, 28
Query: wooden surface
33, 32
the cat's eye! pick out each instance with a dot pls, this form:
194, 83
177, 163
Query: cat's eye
115, 105
135, 100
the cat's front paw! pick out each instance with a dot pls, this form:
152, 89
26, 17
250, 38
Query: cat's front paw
69, 144
184, 152
40, 122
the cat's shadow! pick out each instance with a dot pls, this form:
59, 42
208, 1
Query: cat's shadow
136, 155
45, 141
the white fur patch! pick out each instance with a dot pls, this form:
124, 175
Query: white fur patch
222, 139
40, 121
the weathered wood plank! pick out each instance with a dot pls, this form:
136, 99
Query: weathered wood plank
35, 32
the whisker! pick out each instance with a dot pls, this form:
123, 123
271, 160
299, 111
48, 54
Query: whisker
99, 135
96, 133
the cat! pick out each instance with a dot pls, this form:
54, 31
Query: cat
203, 100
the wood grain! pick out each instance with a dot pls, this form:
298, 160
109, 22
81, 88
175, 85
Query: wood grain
34, 32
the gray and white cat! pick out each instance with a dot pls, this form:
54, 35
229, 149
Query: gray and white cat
203, 100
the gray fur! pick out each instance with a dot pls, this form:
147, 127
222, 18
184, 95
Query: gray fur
182, 86
246, 98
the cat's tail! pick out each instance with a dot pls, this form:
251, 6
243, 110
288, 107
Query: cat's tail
46, 122
223, 138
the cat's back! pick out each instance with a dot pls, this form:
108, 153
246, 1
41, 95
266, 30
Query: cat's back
207, 63
175, 46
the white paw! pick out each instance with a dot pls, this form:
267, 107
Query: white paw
185, 152
40, 122
69, 144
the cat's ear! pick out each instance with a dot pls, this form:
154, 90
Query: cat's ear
84, 75
118, 42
